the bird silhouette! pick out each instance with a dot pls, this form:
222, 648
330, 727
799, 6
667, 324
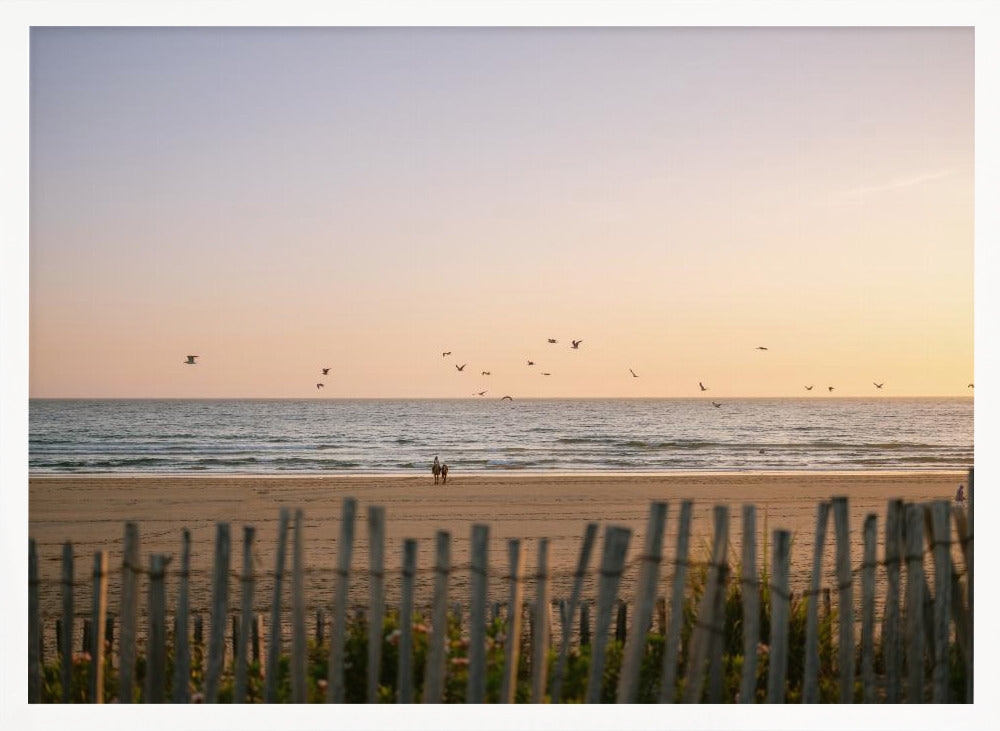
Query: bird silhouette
531, 362
506, 398
461, 367
546, 374
633, 373
480, 393
319, 386
190, 360
878, 385
809, 388
326, 371
702, 386
445, 354
970, 386
485, 373
716, 404
760, 347
576, 344
830, 388
553, 341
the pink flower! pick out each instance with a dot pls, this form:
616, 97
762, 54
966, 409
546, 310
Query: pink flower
762, 648
421, 628
460, 661
321, 684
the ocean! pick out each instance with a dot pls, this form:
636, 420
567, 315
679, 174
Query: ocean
320, 436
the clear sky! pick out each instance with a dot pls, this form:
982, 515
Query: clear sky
279, 200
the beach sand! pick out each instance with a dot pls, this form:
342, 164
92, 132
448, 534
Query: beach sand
91, 512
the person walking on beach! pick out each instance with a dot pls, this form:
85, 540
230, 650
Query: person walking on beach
436, 469
960, 496
444, 474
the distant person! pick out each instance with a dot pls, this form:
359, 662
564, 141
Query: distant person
436, 469
960, 496
444, 474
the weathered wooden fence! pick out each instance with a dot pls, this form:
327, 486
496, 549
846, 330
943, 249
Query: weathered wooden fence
908, 646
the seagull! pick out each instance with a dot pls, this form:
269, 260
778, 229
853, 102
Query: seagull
830, 388
461, 367
445, 354
702, 386
760, 347
546, 374
506, 398
878, 385
326, 371
319, 386
633, 373
809, 388
190, 360
969, 386
485, 373
553, 341
531, 362
716, 404
576, 344
480, 393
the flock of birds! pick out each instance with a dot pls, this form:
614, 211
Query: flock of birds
574, 345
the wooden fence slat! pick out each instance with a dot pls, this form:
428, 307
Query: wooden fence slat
892, 649
750, 594
437, 651
182, 652
616, 540
671, 649
970, 583
34, 627
274, 643
914, 604
716, 646
586, 548
66, 646
298, 659
156, 651
256, 639
129, 612
99, 609
585, 624
220, 605
649, 578
706, 619
512, 643
345, 548
540, 626
320, 626
621, 623
941, 538
376, 572
868, 563
810, 682
404, 683
778, 664
246, 616
475, 691
845, 599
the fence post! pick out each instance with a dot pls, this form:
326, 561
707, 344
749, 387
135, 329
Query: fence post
274, 644
335, 672
95, 689
750, 594
810, 684
582, 563
585, 624
914, 604
156, 653
34, 628
320, 626
649, 578
220, 603
182, 652
868, 609
668, 688
707, 620
969, 566
376, 564
512, 643
85, 643
941, 540
540, 626
67, 622
777, 670
475, 691
405, 679
299, 687
246, 615
616, 540
434, 677
845, 599
130, 607
891, 647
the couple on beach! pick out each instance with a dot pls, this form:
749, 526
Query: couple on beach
440, 471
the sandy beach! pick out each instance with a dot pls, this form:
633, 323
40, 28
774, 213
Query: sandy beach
91, 512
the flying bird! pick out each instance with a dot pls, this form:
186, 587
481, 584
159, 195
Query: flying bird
445, 354
702, 386
716, 404
506, 398
461, 367
829, 388
809, 388
546, 374
760, 347
485, 373
553, 341
633, 373
190, 360
531, 362
878, 385
480, 393
970, 386
326, 371
319, 386
576, 344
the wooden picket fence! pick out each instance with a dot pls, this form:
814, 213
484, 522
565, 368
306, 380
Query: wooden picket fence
916, 627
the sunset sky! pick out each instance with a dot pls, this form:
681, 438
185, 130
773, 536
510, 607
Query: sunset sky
279, 200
